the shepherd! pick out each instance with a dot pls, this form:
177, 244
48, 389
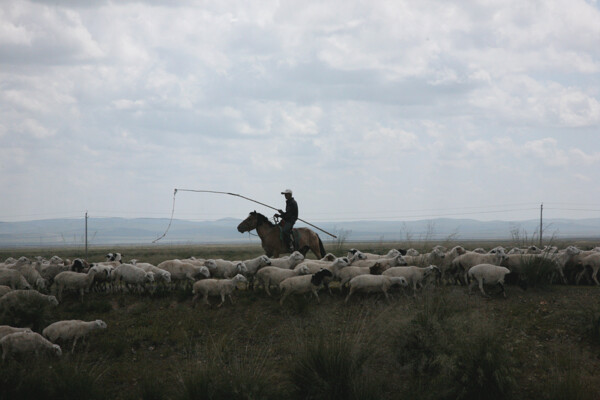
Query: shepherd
289, 217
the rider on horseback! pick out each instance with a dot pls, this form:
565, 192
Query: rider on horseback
289, 217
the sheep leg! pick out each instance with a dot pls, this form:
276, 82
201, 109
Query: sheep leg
481, 288
283, 296
316, 295
74, 343
387, 297
349, 294
502, 287
471, 285
194, 299
222, 300
595, 268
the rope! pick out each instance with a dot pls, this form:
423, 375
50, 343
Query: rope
170, 221
230, 194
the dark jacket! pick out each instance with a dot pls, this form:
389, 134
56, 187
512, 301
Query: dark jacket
291, 211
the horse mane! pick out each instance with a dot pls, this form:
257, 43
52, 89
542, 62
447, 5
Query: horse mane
261, 219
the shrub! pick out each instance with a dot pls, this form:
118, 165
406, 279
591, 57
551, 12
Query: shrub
333, 368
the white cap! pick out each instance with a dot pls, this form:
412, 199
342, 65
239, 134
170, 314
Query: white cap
286, 191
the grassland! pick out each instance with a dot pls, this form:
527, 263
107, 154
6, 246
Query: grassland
543, 343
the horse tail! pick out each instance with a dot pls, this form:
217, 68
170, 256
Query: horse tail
321, 247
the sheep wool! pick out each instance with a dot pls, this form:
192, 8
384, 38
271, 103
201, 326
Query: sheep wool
374, 283
27, 343
72, 330
216, 287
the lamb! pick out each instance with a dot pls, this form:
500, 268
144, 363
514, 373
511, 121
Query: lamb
347, 273
49, 271
226, 269
26, 343
216, 287
303, 284
160, 275
435, 257
74, 281
79, 265
374, 283
414, 275
371, 256
31, 275
132, 276
592, 261
462, 263
450, 256
7, 330
71, 330
383, 262
183, 271
254, 264
25, 301
315, 266
268, 276
487, 274
14, 279
288, 262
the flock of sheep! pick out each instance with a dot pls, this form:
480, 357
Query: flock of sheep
28, 283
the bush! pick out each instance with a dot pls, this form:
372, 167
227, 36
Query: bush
450, 355
333, 369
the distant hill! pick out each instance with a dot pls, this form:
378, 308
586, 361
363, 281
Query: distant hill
122, 231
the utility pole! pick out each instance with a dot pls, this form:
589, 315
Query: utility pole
541, 225
86, 244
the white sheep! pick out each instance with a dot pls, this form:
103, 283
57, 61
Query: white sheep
74, 281
273, 276
303, 284
184, 271
414, 275
372, 256
254, 264
487, 274
227, 269
216, 287
288, 262
26, 343
383, 262
14, 279
591, 261
374, 283
71, 330
315, 266
7, 330
450, 256
435, 257
31, 275
132, 276
160, 275
462, 263
25, 301
347, 273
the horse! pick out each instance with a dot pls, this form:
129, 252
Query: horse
270, 237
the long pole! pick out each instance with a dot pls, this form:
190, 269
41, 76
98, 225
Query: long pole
249, 199
86, 242
541, 225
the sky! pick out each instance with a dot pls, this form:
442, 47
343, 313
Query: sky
378, 110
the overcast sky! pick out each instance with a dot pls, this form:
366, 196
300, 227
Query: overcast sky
366, 110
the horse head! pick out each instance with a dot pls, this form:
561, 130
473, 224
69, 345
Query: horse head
253, 221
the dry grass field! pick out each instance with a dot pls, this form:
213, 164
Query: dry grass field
542, 343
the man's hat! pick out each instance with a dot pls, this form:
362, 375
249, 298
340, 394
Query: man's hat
286, 191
